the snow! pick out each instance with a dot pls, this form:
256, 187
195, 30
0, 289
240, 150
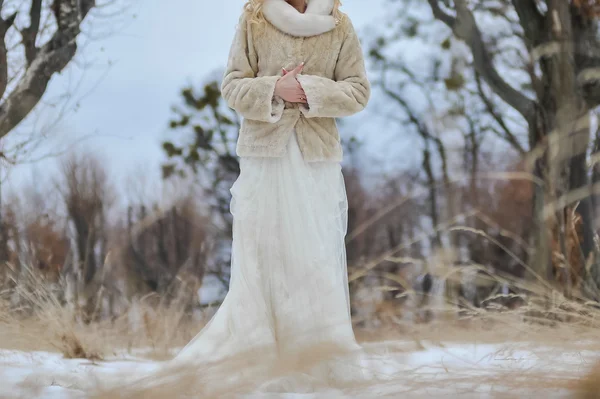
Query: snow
45, 375
211, 291
468, 370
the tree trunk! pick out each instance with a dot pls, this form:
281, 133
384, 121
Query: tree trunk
433, 206
539, 260
579, 179
596, 172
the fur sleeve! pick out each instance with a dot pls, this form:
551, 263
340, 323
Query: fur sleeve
350, 90
252, 97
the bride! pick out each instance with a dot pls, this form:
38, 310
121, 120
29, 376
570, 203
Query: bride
294, 66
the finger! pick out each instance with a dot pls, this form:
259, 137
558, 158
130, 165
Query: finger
298, 69
285, 72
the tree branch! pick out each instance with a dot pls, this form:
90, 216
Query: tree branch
86, 7
531, 20
440, 15
30, 33
4, 26
465, 28
422, 129
507, 134
52, 58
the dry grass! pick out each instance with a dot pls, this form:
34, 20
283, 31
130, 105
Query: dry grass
589, 387
217, 380
41, 322
227, 378
45, 323
244, 374
57, 330
161, 329
553, 321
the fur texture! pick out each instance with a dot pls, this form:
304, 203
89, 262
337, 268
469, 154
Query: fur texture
334, 79
316, 20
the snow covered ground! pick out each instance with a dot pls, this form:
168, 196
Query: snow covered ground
451, 370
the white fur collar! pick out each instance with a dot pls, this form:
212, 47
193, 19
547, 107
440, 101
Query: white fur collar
316, 20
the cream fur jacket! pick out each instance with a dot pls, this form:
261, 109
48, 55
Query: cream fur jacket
334, 80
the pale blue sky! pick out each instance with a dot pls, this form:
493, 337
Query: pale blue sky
124, 113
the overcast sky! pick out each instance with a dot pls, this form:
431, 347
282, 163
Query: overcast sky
124, 108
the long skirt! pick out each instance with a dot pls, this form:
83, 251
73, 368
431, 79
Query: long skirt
288, 293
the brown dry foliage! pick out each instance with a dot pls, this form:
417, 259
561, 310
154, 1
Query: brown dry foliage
34, 245
589, 386
589, 8
49, 246
164, 246
52, 326
572, 261
512, 211
73, 348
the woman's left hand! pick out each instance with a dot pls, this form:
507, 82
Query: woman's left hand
285, 72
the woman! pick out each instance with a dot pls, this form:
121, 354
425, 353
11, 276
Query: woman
293, 68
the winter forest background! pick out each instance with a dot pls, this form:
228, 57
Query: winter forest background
472, 176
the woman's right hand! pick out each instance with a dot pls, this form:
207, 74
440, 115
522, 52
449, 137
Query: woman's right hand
288, 87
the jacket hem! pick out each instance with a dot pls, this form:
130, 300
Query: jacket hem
250, 151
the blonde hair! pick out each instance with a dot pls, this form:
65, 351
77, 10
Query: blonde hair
254, 9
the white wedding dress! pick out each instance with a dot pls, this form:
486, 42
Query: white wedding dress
288, 295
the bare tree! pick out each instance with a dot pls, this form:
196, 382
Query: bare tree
561, 38
49, 45
87, 196
163, 246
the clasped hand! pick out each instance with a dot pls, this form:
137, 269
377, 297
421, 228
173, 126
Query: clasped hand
288, 87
